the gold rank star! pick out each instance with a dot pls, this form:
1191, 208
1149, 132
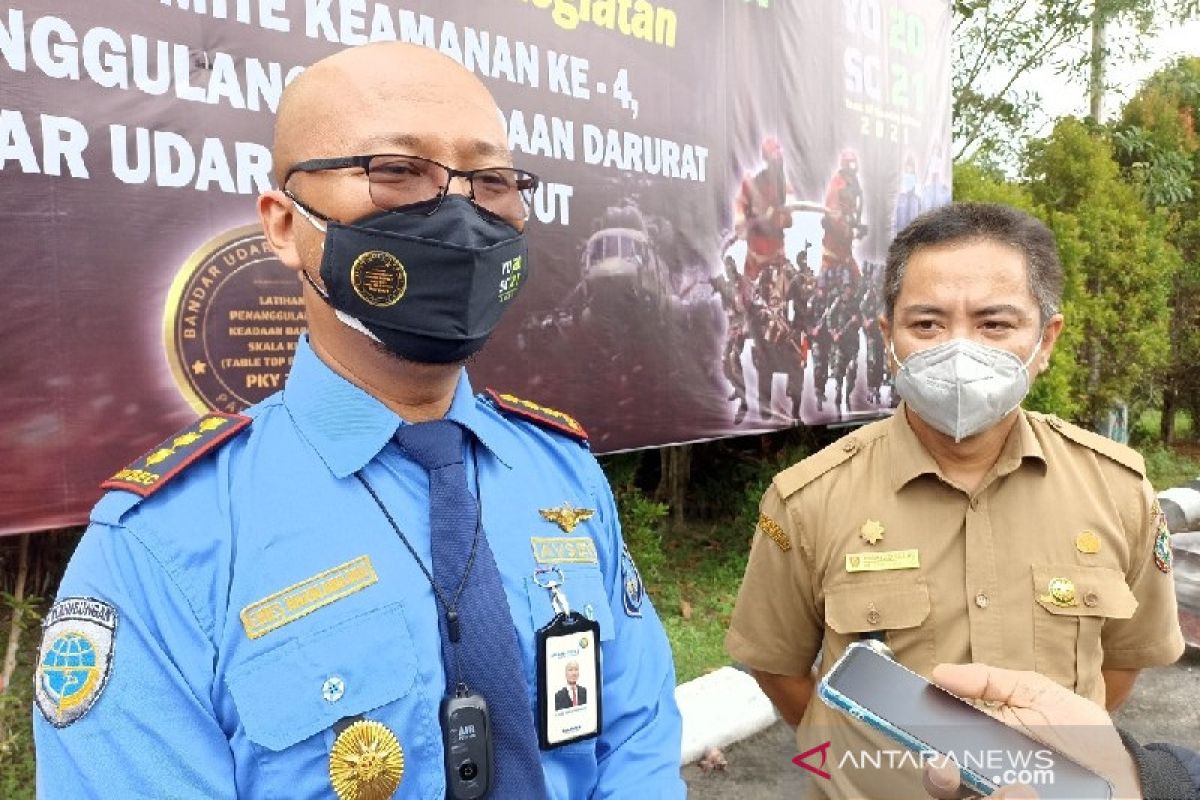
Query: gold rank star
871, 531
199, 367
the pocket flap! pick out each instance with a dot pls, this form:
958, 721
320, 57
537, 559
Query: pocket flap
1083, 591
584, 587
279, 693
888, 605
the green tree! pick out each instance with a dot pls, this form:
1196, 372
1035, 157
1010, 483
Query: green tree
1159, 150
1119, 265
997, 43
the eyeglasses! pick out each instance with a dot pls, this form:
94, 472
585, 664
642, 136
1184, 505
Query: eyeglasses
396, 181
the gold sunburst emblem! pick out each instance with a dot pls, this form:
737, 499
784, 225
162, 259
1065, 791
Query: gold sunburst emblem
366, 762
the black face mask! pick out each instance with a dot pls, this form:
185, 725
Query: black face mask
430, 287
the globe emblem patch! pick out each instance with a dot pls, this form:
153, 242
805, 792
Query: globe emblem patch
69, 669
75, 658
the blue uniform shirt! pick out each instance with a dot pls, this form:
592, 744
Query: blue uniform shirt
261, 597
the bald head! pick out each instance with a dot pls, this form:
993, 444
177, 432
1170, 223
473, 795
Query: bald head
388, 97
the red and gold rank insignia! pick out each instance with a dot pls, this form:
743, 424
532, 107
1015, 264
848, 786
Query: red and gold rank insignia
146, 475
548, 417
366, 762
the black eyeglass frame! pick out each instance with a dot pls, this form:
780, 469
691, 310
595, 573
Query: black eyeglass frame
364, 163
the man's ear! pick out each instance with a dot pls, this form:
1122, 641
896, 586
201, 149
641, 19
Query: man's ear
1050, 334
885, 330
278, 221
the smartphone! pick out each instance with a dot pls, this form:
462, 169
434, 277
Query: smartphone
867, 684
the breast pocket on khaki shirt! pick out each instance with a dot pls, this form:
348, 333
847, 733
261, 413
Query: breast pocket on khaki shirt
1071, 604
898, 607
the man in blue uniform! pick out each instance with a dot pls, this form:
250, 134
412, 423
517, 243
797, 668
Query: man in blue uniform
267, 606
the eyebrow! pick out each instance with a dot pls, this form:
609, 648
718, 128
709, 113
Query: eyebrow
405, 141
987, 311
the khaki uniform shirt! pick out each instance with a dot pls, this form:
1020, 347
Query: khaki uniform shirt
1060, 503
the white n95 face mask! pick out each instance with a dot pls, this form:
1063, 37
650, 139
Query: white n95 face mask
962, 387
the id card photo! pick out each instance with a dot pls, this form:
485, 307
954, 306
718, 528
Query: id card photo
571, 700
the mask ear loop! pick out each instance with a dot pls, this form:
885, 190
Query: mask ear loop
321, 227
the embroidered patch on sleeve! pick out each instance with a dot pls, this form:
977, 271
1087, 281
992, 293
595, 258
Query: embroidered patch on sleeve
634, 591
1162, 540
303, 598
76, 656
777, 534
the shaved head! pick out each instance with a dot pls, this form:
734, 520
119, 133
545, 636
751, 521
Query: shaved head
388, 97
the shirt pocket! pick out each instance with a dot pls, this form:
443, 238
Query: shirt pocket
290, 698
899, 608
1068, 619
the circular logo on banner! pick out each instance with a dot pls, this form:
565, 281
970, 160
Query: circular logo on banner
233, 316
378, 278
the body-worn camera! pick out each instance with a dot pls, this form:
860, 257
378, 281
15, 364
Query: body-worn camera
467, 743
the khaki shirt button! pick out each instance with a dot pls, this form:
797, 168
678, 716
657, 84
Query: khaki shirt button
1055, 422
850, 445
873, 616
974, 503
1090, 599
981, 600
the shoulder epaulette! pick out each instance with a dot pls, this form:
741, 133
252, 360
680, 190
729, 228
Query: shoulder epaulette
547, 417
797, 476
1114, 451
152, 471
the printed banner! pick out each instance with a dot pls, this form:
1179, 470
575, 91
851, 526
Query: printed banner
721, 181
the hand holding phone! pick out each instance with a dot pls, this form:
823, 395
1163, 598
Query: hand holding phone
1028, 699
869, 686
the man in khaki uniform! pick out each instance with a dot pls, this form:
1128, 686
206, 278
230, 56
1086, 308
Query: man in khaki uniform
963, 528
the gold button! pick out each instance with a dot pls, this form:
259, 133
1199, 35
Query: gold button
873, 616
981, 600
1090, 599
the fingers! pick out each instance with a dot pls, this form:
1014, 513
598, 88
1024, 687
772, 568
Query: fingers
941, 779
981, 682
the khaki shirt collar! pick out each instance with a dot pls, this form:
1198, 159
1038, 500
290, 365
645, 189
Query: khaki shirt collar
910, 459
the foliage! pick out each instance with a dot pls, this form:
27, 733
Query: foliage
16, 737
1167, 468
1158, 147
1119, 267
998, 43
693, 571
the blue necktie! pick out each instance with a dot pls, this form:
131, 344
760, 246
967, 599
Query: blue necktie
487, 653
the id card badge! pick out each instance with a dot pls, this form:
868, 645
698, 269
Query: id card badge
568, 675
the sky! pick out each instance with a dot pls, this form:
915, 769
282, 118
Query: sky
1061, 97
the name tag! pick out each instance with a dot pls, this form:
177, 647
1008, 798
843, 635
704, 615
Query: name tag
883, 560
564, 550
300, 599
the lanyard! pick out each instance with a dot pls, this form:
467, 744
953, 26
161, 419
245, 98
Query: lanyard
449, 605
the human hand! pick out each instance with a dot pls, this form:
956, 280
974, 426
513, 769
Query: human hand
1059, 718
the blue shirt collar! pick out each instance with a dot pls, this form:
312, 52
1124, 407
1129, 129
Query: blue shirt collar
348, 427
